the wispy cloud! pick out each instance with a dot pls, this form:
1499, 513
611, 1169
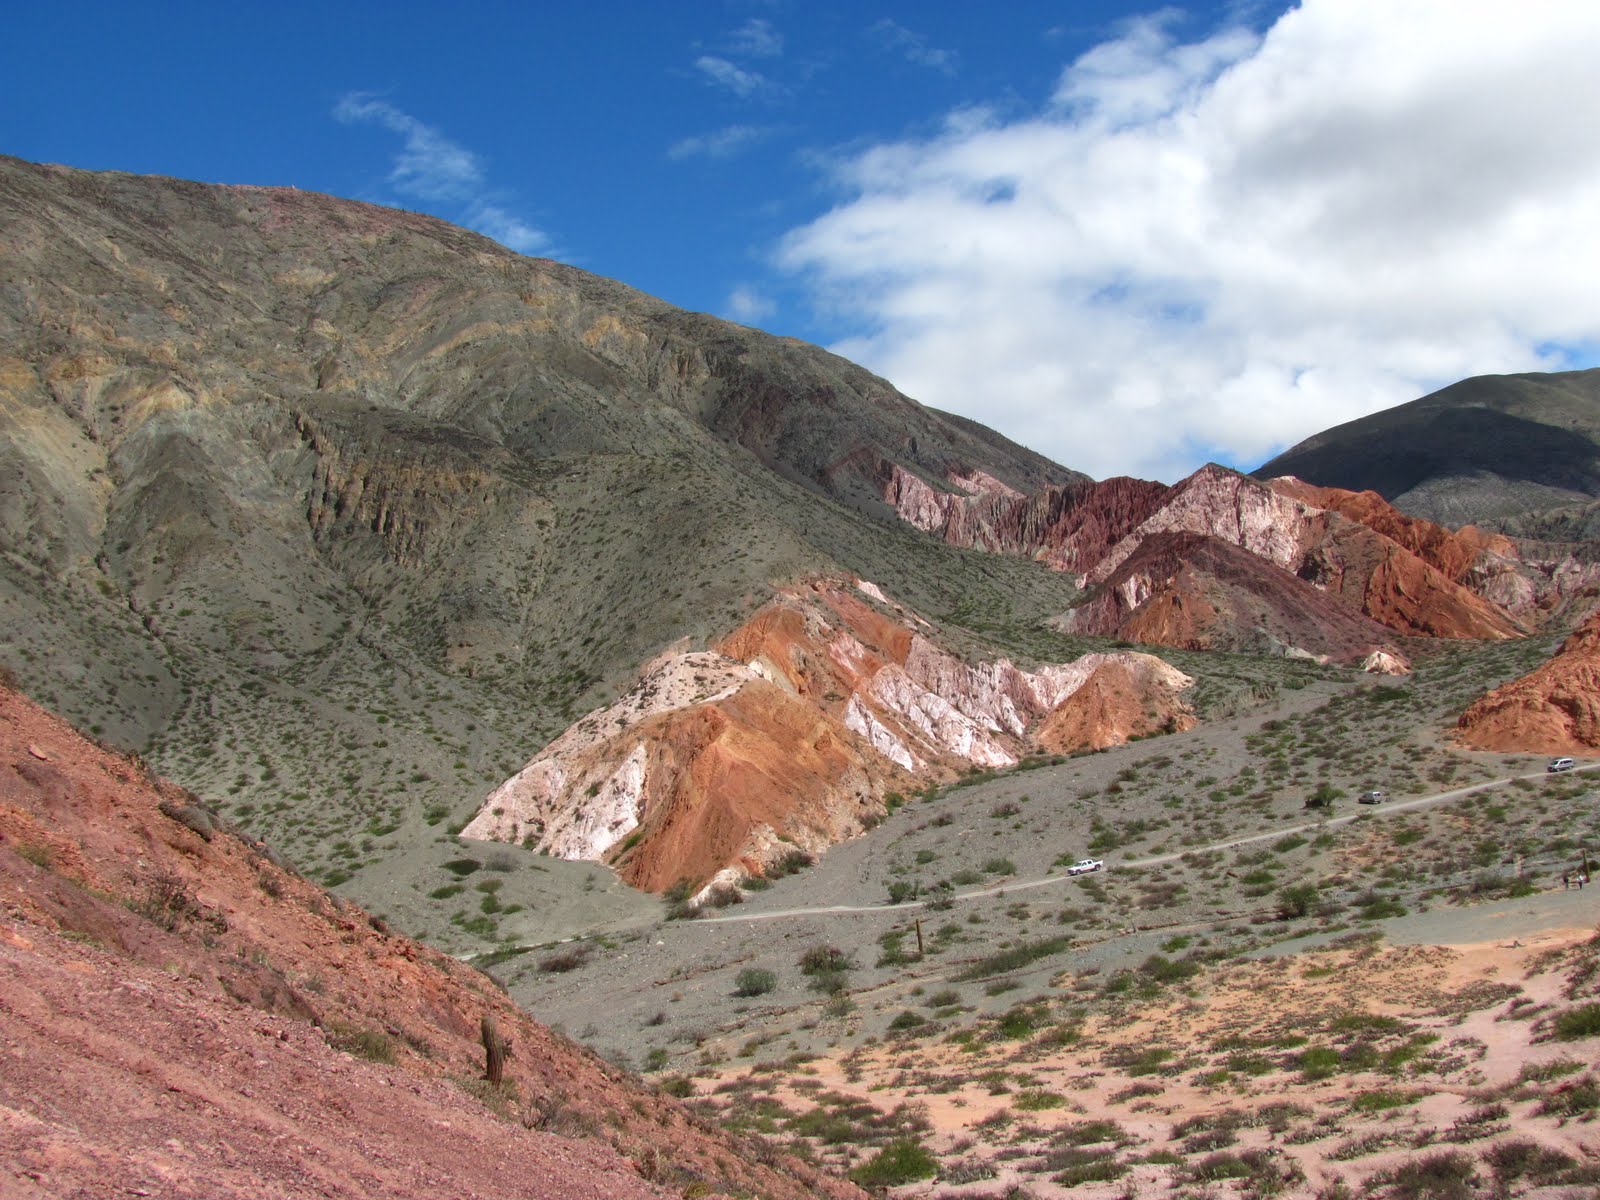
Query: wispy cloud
748, 306
734, 78
756, 38
433, 168
1217, 247
913, 47
720, 143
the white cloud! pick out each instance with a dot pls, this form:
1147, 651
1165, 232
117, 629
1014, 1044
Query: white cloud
1213, 249
720, 143
432, 168
748, 306
756, 38
913, 47
736, 79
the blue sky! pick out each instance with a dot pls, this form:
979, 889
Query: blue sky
1132, 238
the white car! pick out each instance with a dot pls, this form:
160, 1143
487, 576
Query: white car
1561, 764
1084, 865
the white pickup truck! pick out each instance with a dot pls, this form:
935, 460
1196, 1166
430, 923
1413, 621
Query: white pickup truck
1084, 865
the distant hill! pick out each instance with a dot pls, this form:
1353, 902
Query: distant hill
1488, 450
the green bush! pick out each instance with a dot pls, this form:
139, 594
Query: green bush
901, 1161
1580, 1022
1319, 1062
754, 981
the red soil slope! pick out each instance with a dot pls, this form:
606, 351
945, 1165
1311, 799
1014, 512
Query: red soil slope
1554, 709
173, 1001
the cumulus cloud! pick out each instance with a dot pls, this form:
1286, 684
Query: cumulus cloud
913, 47
736, 79
720, 143
433, 168
1212, 248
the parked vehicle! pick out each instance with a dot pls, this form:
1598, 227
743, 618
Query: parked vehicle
1561, 764
1084, 865
1372, 797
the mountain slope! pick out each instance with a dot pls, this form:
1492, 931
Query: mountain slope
337, 512
1482, 450
188, 1019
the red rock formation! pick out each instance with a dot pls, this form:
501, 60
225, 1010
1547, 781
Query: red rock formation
1554, 709
1113, 706
1198, 592
1400, 572
187, 1019
791, 732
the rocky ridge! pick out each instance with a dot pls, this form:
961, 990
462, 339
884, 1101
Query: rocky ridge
792, 731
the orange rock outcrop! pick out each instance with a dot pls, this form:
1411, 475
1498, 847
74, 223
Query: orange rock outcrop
1554, 709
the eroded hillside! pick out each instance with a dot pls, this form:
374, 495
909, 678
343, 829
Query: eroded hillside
185, 1017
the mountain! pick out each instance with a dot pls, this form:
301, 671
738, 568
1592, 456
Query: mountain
187, 1018
1486, 450
337, 513
1554, 709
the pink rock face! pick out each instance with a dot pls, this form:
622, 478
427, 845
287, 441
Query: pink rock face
792, 731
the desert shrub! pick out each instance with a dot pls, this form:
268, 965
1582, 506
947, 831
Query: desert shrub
462, 867
366, 1043
1014, 958
1037, 1101
1524, 1159
789, 862
1580, 1022
1296, 901
1575, 1099
1000, 866
723, 895
754, 981
901, 1161
569, 959
36, 853
903, 890
1167, 970
1319, 1062
165, 901
908, 1020
1006, 808
1448, 1175
822, 958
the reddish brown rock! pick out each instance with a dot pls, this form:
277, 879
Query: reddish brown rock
1554, 709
